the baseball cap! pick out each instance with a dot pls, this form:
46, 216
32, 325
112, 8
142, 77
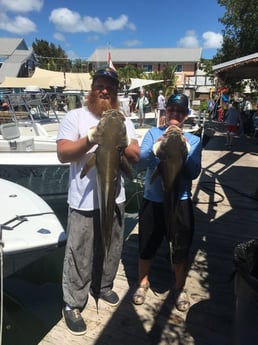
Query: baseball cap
179, 99
107, 72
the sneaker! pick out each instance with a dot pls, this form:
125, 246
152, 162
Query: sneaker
110, 297
74, 321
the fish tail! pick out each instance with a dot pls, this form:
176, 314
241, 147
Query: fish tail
97, 303
171, 255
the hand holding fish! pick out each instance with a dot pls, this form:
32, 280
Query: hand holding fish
93, 135
172, 130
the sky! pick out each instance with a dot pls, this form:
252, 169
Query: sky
81, 26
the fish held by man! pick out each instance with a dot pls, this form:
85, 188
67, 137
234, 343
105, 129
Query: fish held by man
110, 161
172, 151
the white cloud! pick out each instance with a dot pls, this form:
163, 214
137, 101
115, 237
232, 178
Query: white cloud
190, 40
212, 40
18, 25
21, 6
118, 24
59, 37
132, 43
92, 38
70, 21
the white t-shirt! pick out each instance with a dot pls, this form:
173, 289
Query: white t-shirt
161, 102
82, 193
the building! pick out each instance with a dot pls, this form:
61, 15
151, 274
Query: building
151, 60
16, 59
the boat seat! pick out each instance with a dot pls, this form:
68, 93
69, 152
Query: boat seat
10, 131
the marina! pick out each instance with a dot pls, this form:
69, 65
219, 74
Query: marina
225, 199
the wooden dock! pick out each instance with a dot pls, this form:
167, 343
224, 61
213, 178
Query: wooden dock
226, 204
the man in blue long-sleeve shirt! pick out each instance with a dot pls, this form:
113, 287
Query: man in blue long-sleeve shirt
151, 215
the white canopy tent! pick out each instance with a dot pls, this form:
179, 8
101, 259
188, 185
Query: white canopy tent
14, 82
45, 79
138, 83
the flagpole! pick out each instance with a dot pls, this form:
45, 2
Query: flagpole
109, 60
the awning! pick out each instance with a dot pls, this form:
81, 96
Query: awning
45, 79
137, 82
245, 67
14, 82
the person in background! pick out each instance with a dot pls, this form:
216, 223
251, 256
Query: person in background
83, 247
232, 121
161, 102
4, 105
130, 103
255, 120
220, 113
211, 104
246, 116
151, 213
142, 100
125, 104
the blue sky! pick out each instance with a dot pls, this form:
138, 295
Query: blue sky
81, 26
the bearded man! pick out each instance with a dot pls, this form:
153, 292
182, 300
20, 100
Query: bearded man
75, 145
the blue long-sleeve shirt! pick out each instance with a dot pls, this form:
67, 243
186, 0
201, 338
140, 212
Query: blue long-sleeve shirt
148, 160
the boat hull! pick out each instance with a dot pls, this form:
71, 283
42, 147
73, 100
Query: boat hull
29, 227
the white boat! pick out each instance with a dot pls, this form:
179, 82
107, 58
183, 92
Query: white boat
28, 147
40, 172
29, 227
32, 112
32, 162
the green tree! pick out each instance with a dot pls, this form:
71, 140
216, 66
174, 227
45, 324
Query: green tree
127, 72
51, 57
240, 34
167, 74
79, 66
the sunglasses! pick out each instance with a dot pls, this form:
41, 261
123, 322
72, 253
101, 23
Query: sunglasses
176, 111
101, 87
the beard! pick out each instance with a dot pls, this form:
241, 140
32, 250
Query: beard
97, 102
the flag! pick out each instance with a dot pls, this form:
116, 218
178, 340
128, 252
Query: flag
109, 61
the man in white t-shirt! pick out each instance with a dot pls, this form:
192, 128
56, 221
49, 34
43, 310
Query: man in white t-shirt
161, 102
83, 248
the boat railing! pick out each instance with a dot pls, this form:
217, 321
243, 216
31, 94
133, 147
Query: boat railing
34, 107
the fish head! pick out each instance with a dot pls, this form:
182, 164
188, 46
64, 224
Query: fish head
173, 145
172, 152
111, 128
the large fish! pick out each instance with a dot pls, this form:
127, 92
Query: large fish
172, 152
109, 159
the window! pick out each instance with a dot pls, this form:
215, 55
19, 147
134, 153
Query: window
147, 68
179, 68
3, 58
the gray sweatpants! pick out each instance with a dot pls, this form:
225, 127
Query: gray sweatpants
83, 261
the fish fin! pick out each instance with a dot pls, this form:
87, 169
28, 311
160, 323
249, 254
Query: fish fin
119, 216
91, 162
170, 254
125, 167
